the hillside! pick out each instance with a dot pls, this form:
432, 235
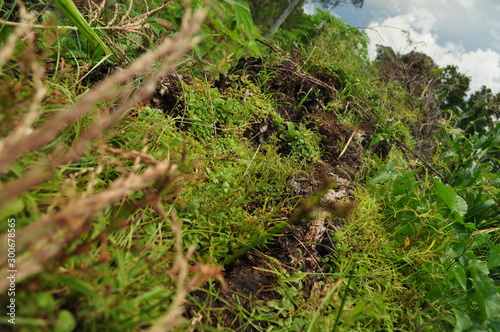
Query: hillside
169, 169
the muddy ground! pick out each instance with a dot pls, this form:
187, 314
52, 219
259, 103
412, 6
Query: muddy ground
303, 244
302, 98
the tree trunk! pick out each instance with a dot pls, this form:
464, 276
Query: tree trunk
282, 18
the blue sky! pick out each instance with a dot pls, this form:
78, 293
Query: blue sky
465, 33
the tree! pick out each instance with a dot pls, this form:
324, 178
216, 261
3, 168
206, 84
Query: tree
385, 53
294, 3
335, 3
282, 17
265, 12
453, 88
483, 111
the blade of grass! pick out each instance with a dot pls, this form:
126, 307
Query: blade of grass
69, 9
337, 319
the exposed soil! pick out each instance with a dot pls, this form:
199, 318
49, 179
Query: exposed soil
298, 248
300, 98
168, 95
298, 94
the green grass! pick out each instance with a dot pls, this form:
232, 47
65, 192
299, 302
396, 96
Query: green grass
148, 210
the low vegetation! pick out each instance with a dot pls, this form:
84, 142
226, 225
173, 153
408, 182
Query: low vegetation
163, 167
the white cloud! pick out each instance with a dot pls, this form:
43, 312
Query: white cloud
309, 8
465, 33
467, 4
417, 30
483, 67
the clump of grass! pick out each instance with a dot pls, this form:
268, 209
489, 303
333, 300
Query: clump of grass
97, 195
67, 227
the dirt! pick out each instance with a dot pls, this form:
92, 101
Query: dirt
300, 98
168, 95
299, 247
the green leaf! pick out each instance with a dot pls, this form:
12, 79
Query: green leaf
480, 207
448, 195
65, 322
461, 276
358, 309
460, 206
386, 174
243, 17
494, 259
492, 304
78, 285
463, 321
494, 324
11, 209
478, 265
469, 175
480, 300
377, 138
405, 184
435, 293
46, 301
69, 9
154, 293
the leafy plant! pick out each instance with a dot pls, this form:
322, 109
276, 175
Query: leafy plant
123, 224
302, 142
69, 9
228, 35
83, 202
467, 287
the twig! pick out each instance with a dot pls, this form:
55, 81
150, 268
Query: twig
93, 68
251, 161
348, 142
419, 158
38, 26
274, 48
299, 75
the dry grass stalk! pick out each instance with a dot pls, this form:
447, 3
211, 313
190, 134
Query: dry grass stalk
187, 278
122, 25
168, 52
31, 60
23, 29
46, 238
49, 237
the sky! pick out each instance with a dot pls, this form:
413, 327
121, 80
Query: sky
465, 33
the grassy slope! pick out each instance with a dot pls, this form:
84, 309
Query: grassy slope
133, 263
